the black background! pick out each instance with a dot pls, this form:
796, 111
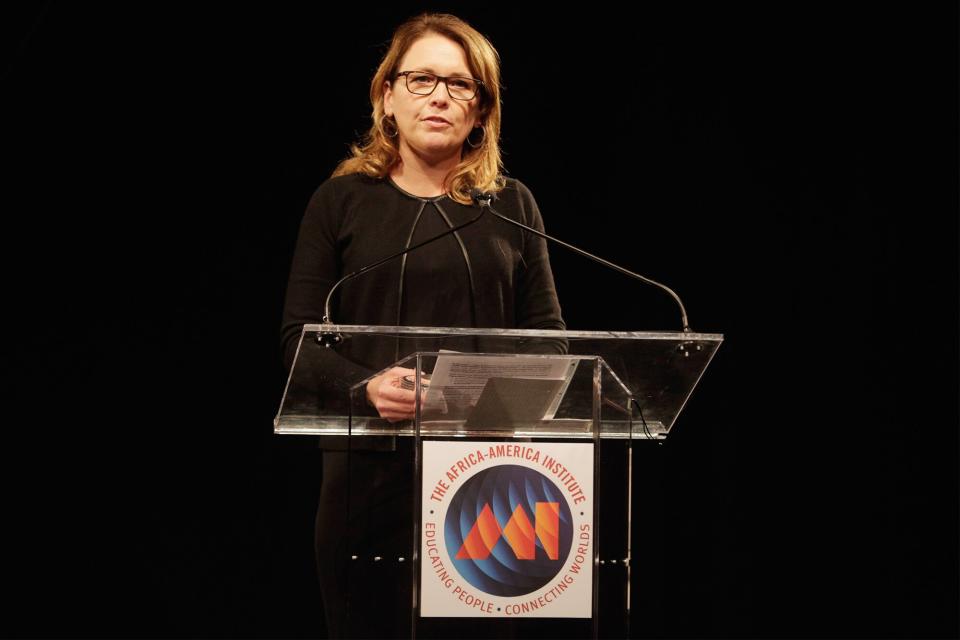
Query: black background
790, 171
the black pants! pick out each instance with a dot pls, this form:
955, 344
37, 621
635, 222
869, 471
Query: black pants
366, 512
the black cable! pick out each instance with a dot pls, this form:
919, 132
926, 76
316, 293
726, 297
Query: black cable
403, 270
466, 260
646, 429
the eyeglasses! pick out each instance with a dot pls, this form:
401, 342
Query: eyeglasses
423, 83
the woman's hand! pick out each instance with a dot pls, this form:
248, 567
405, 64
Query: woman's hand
391, 401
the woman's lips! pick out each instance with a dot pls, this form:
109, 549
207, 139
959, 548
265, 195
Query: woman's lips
436, 123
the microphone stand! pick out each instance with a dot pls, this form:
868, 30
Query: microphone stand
606, 263
327, 337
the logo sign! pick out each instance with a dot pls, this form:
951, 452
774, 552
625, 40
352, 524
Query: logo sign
507, 530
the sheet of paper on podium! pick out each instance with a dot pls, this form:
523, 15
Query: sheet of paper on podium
460, 381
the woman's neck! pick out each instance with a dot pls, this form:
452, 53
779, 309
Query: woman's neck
423, 179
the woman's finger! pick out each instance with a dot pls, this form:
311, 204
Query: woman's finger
395, 394
395, 407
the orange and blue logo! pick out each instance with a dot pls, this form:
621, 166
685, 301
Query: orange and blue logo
509, 530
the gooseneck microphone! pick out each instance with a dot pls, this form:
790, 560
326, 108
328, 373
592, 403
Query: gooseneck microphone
683, 312
483, 199
329, 338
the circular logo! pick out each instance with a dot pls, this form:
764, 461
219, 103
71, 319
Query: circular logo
508, 530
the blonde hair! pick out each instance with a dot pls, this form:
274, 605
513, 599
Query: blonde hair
479, 168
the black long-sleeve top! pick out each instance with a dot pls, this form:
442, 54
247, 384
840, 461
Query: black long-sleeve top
490, 274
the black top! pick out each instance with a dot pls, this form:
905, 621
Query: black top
490, 274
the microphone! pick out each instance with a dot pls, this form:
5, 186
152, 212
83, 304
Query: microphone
482, 198
606, 263
329, 338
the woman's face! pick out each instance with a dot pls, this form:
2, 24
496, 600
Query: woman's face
433, 127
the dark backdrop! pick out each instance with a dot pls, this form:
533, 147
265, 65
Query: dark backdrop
791, 171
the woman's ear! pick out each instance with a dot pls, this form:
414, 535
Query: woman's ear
387, 99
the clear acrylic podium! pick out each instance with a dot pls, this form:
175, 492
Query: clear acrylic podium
503, 508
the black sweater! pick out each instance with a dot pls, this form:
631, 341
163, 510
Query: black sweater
491, 274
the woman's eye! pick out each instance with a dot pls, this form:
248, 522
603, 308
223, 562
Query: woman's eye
423, 79
458, 83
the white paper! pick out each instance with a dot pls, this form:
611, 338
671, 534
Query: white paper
459, 379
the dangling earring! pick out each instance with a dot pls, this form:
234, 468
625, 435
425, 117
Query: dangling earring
482, 138
383, 128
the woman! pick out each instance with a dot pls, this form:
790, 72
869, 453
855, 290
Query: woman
434, 139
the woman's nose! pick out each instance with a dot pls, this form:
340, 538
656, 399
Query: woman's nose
437, 96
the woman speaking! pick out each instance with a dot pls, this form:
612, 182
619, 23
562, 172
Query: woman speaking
434, 141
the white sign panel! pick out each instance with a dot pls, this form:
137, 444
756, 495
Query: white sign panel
507, 530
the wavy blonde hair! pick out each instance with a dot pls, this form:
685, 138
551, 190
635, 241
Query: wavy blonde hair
479, 168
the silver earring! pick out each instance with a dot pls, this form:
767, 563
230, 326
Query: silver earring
383, 128
482, 138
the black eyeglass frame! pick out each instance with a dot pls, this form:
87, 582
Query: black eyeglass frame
406, 79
